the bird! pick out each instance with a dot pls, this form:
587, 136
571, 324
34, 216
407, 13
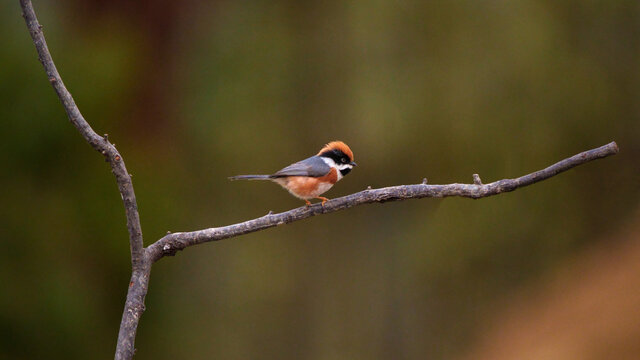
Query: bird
313, 176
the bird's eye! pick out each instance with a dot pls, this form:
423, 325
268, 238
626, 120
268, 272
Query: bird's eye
344, 160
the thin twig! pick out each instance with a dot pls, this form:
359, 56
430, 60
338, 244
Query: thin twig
174, 242
140, 266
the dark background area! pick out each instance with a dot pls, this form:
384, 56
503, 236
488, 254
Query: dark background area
194, 91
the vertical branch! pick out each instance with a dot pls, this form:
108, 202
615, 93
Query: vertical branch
141, 268
99, 143
133, 309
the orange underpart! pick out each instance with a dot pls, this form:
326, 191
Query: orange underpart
331, 177
306, 187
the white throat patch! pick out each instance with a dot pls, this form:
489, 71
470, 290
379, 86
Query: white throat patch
330, 162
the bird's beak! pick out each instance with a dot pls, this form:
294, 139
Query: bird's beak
353, 163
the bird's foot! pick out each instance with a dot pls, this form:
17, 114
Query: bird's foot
324, 199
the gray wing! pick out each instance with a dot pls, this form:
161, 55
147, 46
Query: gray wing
313, 166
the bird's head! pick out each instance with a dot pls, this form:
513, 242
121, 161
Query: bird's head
337, 154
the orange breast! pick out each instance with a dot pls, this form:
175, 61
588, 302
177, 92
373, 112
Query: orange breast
331, 177
309, 187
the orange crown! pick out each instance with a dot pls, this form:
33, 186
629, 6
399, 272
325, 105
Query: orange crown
338, 145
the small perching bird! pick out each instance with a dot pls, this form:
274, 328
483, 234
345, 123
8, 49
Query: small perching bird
313, 176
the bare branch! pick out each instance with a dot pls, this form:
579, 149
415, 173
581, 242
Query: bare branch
174, 242
99, 143
140, 267
133, 309
142, 259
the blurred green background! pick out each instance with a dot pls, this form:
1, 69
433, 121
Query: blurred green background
194, 91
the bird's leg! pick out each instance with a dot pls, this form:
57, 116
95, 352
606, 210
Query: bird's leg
324, 199
308, 202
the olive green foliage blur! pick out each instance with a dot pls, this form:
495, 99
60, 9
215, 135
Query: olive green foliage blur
417, 89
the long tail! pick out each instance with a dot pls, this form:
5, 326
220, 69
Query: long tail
250, 177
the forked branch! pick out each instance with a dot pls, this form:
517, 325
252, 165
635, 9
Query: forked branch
142, 258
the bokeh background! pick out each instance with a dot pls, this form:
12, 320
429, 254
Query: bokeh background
194, 91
